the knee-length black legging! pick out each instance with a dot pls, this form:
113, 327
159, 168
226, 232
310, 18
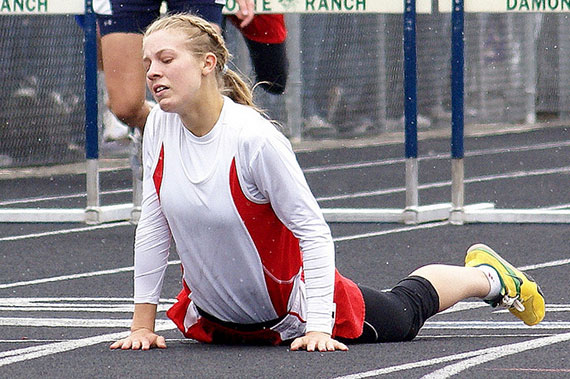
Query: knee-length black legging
398, 314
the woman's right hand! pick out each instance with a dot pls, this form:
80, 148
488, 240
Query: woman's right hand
142, 339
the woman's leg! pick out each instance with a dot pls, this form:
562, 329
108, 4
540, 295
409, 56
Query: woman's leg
454, 283
398, 314
488, 276
125, 77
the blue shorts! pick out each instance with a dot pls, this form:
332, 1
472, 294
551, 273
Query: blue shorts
134, 16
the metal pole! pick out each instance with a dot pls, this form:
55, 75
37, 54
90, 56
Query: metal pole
91, 113
457, 117
532, 22
293, 102
410, 112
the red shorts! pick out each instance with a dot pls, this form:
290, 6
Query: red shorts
349, 320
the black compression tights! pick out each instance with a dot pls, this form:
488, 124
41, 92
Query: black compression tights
398, 314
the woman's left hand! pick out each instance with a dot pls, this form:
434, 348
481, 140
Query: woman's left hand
317, 341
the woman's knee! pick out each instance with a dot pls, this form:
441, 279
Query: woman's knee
131, 112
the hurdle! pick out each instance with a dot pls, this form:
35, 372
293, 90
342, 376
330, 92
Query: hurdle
412, 213
94, 212
484, 213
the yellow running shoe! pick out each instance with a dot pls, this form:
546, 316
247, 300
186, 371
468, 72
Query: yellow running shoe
520, 293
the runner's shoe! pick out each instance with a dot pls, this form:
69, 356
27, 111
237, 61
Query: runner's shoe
519, 293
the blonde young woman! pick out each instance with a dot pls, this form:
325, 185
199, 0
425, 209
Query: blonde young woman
257, 255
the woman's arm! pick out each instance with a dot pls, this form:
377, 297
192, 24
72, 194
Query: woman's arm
276, 176
142, 330
152, 243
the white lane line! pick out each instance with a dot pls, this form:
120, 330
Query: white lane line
96, 305
560, 262
337, 239
74, 322
24, 340
60, 197
78, 308
25, 354
489, 353
72, 308
477, 179
32, 300
126, 323
333, 167
66, 277
464, 306
468, 305
24, 301
495, 335
391, 231
436, 156
496, 353
66, 231
502, 325
74, 276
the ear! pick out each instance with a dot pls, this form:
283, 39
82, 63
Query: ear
209, 63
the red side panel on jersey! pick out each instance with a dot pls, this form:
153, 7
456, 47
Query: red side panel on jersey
264, 28
158, 172
277, 247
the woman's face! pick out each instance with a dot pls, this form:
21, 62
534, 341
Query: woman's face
173, 74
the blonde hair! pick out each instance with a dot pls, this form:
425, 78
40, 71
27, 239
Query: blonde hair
203, 38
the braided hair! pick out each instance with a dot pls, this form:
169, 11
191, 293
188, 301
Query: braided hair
203, 38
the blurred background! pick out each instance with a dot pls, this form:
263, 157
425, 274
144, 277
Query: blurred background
345, 79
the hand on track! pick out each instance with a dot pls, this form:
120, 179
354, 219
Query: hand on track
142, 339
317, 341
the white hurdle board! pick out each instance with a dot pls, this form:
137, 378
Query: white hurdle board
330, 6
44, 7
41, 7
509, 6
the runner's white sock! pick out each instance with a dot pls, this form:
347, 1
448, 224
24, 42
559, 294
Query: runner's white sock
494, 281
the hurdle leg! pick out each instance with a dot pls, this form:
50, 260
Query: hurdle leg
137, 171
293, 94
457, 116
410, 113
91, 117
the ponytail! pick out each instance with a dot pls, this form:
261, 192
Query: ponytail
236, 88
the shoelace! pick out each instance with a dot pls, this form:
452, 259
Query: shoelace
510, 302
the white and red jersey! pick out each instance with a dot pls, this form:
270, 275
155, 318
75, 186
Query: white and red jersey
252, 240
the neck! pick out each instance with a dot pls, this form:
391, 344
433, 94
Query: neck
202, 116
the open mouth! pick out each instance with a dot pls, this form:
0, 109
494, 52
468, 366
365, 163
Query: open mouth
159, 89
